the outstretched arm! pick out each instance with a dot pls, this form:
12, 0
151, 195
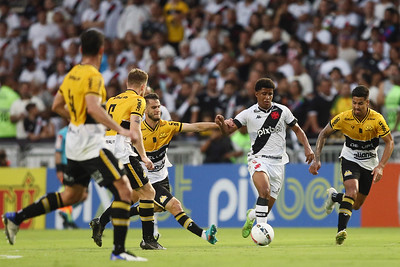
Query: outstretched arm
198, 127
226, 126
323, 135
387, 152
301, 136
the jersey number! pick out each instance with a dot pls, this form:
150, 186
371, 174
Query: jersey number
111, 109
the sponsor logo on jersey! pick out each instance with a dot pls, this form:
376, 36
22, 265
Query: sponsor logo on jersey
364, 155
258, 117
269, 130
347, 173
382, 126
257, 166
335, 121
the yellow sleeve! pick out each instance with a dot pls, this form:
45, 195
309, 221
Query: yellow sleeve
95, 85
139, 106
383, 128
336, 122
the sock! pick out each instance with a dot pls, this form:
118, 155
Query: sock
345, 211
105, 217
189, 224
120, 221
337, 197
252, 214
134, 211
146, 212
46, 204
261, 210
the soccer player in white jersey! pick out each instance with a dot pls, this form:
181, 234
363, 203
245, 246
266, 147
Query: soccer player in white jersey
266, 123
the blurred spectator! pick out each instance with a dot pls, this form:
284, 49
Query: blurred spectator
185, 102
232, 25
392, 105
42, 32
241, 144
56, 78
7, 98
175, 12
332, 62
380, 8
229, 101
208, 101
8, 45
301, 75
244, 10
4, 162
113, 74
390, 27
131, 18
76, 8
343, 101
217, 148
347, 49
301, 11
297, 103
319, 110
72, 55
185, 61
317, 32
346, 18
71, 36
386, 85
154, 23
32, 73
42, 60
10, 18
93, 17
36, 127
369, 20
18, 108
112, 10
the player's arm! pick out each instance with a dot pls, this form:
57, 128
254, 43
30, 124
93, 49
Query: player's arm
198, 127
323, 135
59, 106
227, 127
137, 140
98, 113
387, 152
301, 136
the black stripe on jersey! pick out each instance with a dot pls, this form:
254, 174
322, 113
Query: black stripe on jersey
156, 155
126, 124
265, 131
362, 145
135, 113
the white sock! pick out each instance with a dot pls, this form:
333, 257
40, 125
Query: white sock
252, 214
203, 235
261, 213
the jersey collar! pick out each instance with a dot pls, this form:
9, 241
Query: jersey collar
365, 117
265, 110
149, 127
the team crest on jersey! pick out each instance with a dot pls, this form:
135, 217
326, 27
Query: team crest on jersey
163, 198
368, 128
162, 135
275, 115
347, 173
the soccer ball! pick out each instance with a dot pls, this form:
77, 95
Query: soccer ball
262, 234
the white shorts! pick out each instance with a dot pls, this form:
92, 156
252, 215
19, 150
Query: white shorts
276, 173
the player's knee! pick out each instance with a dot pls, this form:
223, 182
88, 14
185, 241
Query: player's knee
174, 206
356, 206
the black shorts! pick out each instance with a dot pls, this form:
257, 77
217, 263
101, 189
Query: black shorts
351, 170
163, 193
104, 169
135, 173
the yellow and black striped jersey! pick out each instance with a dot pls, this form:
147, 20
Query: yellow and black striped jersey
362, 137
80, 81
122, 106
156, 142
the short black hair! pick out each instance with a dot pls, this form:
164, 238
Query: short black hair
360, 91
153, 96
264, 83
91, 42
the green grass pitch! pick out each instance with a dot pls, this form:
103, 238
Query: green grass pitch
291, 247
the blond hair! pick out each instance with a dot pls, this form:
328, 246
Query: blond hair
137, 78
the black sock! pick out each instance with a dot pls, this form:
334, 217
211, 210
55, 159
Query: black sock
337, 197
105, 217
345, 211
46, 204
146, 212
120, 221
134, 211
188, 223
261, 209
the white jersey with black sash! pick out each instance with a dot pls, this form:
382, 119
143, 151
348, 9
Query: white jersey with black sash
267, 130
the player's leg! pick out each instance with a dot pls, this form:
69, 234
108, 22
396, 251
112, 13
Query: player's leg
47, 203
364, 186
351, 174
106, 170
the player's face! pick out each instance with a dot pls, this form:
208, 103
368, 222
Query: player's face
153, 110
264, 97
360, 106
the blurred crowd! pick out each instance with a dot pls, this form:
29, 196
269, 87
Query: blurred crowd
203, 57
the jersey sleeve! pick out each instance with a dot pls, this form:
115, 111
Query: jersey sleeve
336, 122
289, 118
138, 106
174, 127
241, 119
383, 129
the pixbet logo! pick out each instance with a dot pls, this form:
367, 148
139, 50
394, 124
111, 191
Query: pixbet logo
268, 130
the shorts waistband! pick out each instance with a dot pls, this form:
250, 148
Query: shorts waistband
265, 156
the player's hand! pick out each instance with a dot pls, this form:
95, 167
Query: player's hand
309, 155
377, 173
224, 125
126, 133
314, 167
148, 163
